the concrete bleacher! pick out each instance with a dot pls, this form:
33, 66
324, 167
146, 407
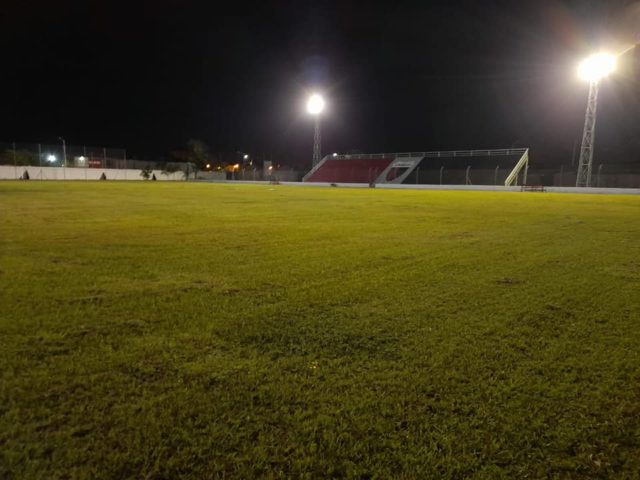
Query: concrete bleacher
352, 170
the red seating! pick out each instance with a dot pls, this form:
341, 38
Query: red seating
350, 170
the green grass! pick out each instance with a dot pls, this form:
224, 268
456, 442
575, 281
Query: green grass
165, 330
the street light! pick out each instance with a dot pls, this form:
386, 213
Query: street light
51, 158
592, 70
315, 106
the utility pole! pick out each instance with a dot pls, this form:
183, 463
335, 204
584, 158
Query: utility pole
15, 165
64, 156
64, 151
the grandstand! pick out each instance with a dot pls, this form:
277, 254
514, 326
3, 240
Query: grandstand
406, 167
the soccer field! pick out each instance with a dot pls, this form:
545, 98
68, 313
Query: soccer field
164, 330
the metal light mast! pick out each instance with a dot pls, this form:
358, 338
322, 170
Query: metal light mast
315, 106
583, 179
593, 69
317, 154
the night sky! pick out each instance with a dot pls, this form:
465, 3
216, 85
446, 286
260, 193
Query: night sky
397, 76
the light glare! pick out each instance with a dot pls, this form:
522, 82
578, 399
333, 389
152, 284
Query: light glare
596, 67
51, 158
315, 104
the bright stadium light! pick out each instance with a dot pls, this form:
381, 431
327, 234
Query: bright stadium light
315, 104
592, 70
596, 67
51, 158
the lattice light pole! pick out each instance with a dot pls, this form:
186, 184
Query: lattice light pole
317, 140
315, 106
593, 69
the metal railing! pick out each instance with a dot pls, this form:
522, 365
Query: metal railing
431, 154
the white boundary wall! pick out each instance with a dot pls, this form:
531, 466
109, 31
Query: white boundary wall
9, 172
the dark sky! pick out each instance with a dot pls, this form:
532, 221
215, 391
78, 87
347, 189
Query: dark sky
397, 75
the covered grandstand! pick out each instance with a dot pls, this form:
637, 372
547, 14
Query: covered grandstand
503, 166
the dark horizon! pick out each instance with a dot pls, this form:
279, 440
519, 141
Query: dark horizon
401, 77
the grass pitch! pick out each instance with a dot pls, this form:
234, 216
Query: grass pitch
164, 330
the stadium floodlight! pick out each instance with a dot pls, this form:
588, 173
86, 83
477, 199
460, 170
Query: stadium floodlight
51, 158
592, 70
596, 67
315, 106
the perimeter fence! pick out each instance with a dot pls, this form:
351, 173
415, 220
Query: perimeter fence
59, 155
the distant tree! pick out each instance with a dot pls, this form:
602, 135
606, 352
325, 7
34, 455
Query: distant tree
22, 157
168, 168
146, 172
190, 168
198, 155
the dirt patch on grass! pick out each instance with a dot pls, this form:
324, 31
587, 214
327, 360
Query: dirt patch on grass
509, 281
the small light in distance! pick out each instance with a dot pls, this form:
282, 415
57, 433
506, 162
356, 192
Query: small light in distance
270, 167
246, 157
596, 67
335, 154
315, 104
51, 158
236, 166
208, 165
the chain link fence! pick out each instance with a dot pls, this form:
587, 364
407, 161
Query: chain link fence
59, 155
605, 176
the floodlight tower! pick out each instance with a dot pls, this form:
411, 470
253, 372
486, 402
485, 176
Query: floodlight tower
315, 106
592, 70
